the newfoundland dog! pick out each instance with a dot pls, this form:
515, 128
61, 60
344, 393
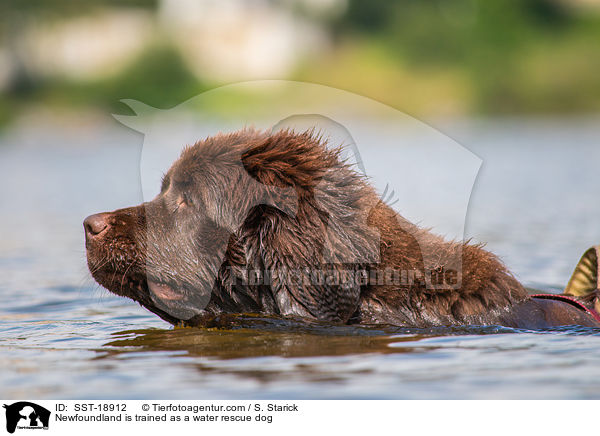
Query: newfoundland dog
278, 224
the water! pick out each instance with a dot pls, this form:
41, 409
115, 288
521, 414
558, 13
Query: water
61, 336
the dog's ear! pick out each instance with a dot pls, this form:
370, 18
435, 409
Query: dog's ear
235, 177
313, 255
272, 170
289, 159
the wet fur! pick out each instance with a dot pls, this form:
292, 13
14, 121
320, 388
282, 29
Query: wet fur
326, 214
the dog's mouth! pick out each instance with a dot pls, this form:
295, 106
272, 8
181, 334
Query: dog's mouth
159, 298
179, 301
152, 295
172, 302
117, 261
164, 292
143, 291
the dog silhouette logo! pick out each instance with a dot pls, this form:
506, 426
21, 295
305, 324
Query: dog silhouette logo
26, 415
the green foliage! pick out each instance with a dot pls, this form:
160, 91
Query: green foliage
158, 77
493, 42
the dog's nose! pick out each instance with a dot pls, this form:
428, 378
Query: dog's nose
95, 224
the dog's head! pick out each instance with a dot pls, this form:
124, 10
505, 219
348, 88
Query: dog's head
247, 200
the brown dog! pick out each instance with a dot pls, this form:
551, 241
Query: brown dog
252, 222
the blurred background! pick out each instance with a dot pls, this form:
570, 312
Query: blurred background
428, 58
